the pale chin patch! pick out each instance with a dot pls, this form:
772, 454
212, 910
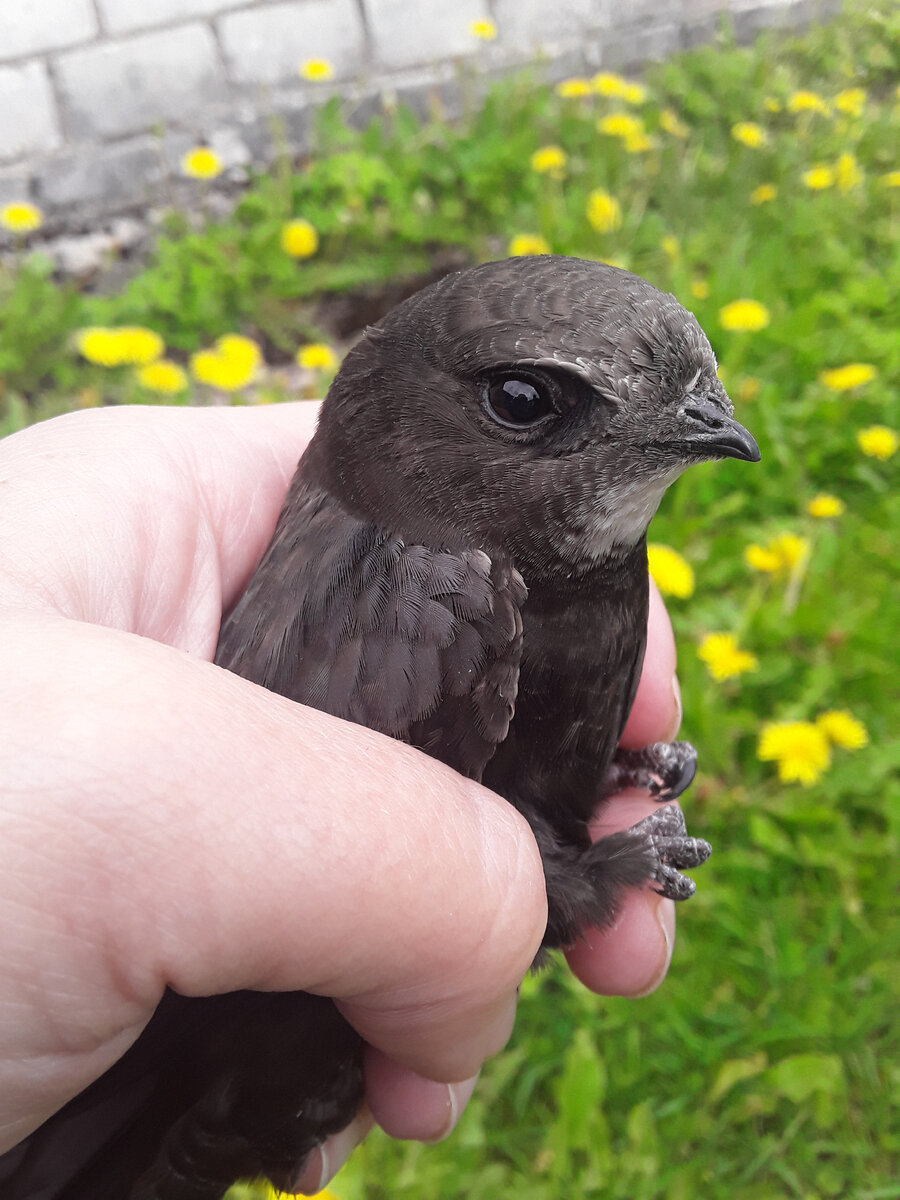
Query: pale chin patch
634, 510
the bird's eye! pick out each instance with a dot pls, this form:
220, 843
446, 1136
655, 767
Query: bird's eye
517, 403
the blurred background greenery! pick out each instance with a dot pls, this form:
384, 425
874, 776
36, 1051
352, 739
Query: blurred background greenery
761, 185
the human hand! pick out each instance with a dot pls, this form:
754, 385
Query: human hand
163, 822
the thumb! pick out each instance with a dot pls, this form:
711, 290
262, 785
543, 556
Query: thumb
172, 824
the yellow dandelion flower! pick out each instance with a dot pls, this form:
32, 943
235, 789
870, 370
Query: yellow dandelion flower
744, 316
671, 573
549, 160
807, 102
748, 389
212, 369
847, 172
607, 83
761, 558
201, 163
574, 89
604, 211
819, 177
877, 441
634, 93
231, 364
208, 366
299, 239
851, 101
128, 345
485, 30
799, 748
138, 345
764, 193
240, 350
671, 247
848, 377
843, 729
163, 376
748, 133
99, 345
784, 552
669, 122
699, 289
891, 179
792, 550
772, 104
638, 143
527, 243
316, 70
622, 125
824, 505
723, 658
317, 356
21, 217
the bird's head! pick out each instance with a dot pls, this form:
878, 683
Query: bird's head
539, 404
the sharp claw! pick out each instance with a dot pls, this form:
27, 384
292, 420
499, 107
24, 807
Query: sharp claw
680, 757
664, 769
682, 783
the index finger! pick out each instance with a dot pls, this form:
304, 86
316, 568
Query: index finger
656, 713
632, 957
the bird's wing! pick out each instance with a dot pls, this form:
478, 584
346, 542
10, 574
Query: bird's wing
417, 643
115, 1140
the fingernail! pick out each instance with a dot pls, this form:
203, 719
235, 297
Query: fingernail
458, 1095
665, 917
676, 720
326, 1160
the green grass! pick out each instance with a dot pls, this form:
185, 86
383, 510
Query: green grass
767, 1065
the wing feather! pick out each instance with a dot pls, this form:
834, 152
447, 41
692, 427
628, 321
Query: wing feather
422, 644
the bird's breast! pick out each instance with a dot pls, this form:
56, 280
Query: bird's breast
584, 644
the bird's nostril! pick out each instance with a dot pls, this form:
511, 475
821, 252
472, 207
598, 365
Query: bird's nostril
709, 427
705, 416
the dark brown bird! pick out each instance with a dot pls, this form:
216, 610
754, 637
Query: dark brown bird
460, 563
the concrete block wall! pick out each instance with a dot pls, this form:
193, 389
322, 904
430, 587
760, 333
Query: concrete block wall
99, 98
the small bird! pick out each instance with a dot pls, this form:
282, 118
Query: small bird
460, 563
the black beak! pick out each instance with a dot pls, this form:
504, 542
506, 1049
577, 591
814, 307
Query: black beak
716, 435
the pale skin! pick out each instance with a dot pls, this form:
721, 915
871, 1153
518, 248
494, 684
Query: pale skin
165, 823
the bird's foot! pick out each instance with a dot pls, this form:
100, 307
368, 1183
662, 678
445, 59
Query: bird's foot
665, 770
665, 834
586, 885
